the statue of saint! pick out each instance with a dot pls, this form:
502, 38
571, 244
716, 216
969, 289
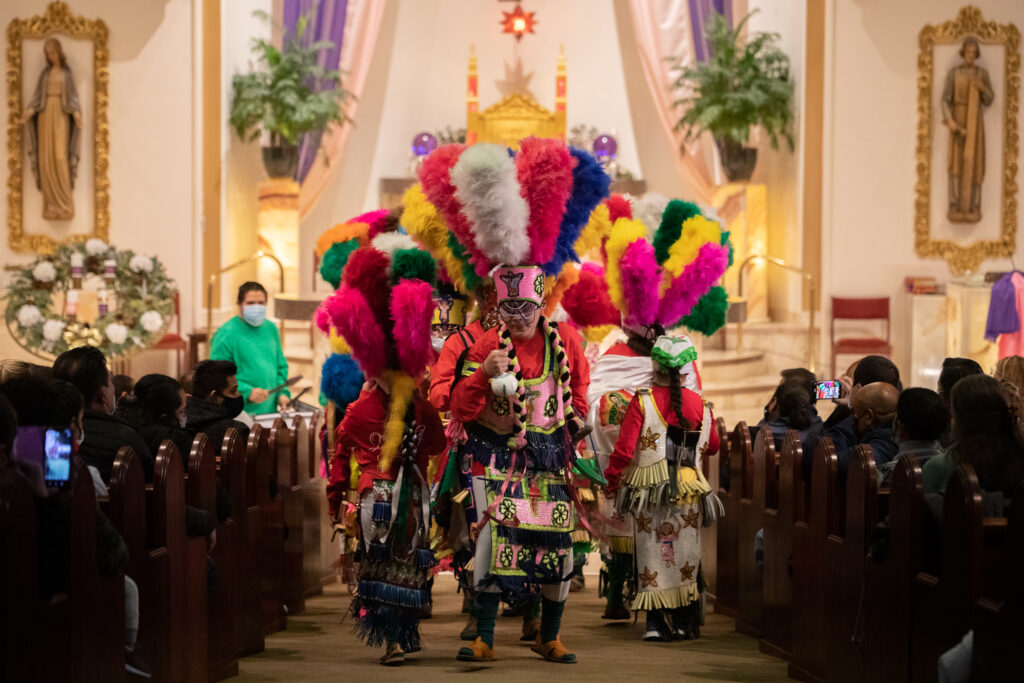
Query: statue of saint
54, 122
967, 90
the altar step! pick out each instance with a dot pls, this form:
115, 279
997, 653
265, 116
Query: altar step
737, 383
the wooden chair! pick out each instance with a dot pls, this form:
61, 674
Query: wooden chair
818, 519
751, 511
779, 514
860, 309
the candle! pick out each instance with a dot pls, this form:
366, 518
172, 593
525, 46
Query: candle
109, 269
103, 304
77, 263
71, 307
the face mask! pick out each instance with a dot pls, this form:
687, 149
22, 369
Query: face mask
233, 404
254, 314
182, 421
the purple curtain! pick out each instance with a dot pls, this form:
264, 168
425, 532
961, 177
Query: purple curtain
327, 22
701, 13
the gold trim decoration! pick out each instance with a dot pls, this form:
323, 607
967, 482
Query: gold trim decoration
961, 259
57, 19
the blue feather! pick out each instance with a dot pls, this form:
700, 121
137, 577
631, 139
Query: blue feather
341, 380
590, 185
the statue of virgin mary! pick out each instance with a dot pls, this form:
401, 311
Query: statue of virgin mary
54, 121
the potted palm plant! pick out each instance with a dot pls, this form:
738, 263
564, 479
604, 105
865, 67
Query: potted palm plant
743, 83
287, 96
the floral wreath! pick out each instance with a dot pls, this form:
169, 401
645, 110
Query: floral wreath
138, 308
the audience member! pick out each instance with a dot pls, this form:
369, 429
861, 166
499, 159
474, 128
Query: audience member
86, 368
867, 370
215, 402
985, 435
921, 418
871, 420
953, 370
792, 407
122, 387
156, 409
1010, 373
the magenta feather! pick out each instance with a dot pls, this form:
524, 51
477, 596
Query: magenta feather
693, 283
322, 318
412, 308
640, 281
353, 317
436, 181
544, 168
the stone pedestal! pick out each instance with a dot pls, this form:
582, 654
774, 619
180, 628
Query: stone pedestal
743, 208
277, 226
927, 336
966, 315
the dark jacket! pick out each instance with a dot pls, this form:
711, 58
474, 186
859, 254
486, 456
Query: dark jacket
104, 436
883, 447
211, 419
156, 434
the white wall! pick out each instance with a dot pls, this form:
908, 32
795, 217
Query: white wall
423, 52
870, 139
150, 113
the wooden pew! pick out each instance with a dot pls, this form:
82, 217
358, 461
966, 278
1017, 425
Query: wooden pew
224, 643
888, 582
779, 515
726, 599
710, 463
998, 617
267, 526
245, 513
751, 512
942, 605
818, 518
312, 517
292, 506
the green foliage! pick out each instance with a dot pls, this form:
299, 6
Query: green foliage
742, 84
280, 97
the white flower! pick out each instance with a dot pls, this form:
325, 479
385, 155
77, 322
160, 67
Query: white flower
141, 264
96, 247
52, 330
44, 272
29, 315
117, 333
151, 321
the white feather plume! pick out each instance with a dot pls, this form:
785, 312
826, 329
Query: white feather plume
390, 242
486, 186
648, 209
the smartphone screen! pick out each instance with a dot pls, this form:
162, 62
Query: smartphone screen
57, 448
824, 391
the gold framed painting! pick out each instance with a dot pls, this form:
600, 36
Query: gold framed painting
57, 132
965, 208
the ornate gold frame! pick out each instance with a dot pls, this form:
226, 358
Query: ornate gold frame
968, 22
57, 19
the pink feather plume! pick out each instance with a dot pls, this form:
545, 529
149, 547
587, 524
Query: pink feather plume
367, 271
693, 283
544, 168
435, 178
353, 317
322, 318
374, 219
640, 281
412, 308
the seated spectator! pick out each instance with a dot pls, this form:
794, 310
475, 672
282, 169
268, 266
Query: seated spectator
921, 419
792, 407
840, 426
215, 401
985, 435
1010, 373
156, 409
870, 423
953, 370
86, 369
122, 387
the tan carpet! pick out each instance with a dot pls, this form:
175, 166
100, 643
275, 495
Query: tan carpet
318, 647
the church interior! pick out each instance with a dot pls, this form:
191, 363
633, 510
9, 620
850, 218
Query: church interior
712, 175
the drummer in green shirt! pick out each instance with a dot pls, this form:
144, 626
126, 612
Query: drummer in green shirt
253, 344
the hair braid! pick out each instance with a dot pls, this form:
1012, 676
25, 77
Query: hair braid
518, 400
564, 379
676, 395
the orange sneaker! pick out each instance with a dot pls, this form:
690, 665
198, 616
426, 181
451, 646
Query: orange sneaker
479, 651
554, 651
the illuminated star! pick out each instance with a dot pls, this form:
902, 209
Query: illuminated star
515, 82
517, 22
686, 572
644, 523
648, 578
690, 519
649, 440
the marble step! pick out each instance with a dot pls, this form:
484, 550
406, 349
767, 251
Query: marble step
725, 366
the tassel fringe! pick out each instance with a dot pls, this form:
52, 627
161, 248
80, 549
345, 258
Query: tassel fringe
667, 598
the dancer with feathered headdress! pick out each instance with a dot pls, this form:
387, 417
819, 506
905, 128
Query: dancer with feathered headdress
518, 216
383, 310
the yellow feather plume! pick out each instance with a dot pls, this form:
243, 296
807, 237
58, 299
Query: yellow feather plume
595, 333
624, 232
338, 343
402, 387
556, 287
425, 224
340, 233
597, 230
697, 231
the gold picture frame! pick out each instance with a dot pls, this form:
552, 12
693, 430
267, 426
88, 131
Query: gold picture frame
57, 19
967, 259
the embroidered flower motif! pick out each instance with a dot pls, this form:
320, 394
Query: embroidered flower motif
500, 405
507, 508
506, 556
649, 440
551, 407
644, 524
538, 285
560, 515
524, 556
649, 578
549, 561
686, 572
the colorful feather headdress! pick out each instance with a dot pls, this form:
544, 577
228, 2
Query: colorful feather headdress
512, 209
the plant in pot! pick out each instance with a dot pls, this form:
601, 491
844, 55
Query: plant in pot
286, 97
743, 83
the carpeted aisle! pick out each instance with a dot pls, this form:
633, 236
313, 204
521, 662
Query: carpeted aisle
317, 647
